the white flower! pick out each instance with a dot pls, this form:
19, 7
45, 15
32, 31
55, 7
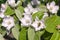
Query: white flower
52, 7
35, 2
2, 15
12, 3
38, 25
26, 20
8, 22
3, 8
27, 11
30, 8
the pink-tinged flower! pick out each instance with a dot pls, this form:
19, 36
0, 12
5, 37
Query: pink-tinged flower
26, 20
38, 24
8, 22
2, 15
52, 7
3, 8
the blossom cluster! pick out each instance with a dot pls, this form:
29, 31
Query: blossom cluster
27, 19
30, 10
8, 21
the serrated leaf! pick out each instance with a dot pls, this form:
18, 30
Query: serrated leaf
9, 11
31, 34
18, 14
1, 37
38, 35
23, 34
38, 14
55, 36
15, 31
51, 23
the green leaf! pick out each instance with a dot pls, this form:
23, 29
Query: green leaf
31, 34
1, 20
46, 36
38, 14
19, 3
20, 8
16, 19
2, 30
15, 31
2, 1
38, 35
22, 0
9, 11
55, 36
51, 23
23, 34
43, 8
1, 37
18, 14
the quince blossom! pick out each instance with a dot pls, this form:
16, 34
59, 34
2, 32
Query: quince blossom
2, 15
52, 7
3, 9
38, 24
12, 3
8, 22
29, 9
26, 20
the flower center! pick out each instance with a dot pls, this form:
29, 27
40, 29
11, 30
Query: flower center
39, 24
27, 21
51, 8
9, 23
